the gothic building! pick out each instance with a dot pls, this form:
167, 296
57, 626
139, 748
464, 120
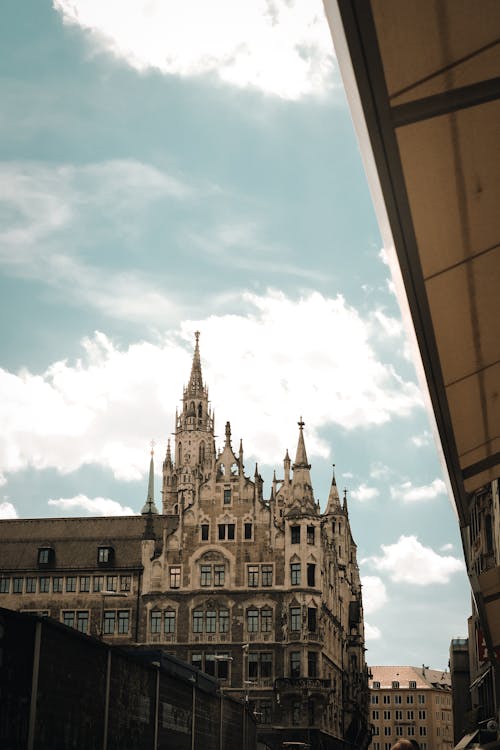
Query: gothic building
262, 592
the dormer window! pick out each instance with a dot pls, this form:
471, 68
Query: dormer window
105, 555
45, 555
412, 684
376, 684
395, 685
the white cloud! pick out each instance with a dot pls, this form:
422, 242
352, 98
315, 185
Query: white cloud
408, 561
281, 47
410, 494
105, 408
7, 510
94, 506
374, 593
379, 470
372, 633
446, 547
348, 475
423, 439
365, 493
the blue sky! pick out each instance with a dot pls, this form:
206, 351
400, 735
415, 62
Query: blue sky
167, 167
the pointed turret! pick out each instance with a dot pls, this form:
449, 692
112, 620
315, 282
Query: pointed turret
301, 481
195, 387
168, 456
149, 506
333, 505
344, 504
286, 466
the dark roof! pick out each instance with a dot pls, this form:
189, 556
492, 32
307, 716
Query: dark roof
75, 540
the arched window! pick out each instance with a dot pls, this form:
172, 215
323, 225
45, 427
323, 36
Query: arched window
200, 411
201, 452
179, 451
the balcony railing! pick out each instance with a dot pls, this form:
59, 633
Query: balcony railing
286, 684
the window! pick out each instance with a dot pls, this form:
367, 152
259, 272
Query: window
253, 575
175, 577
387, 699
57, 584
295, 534
252, 620
311, 574
387, 715
295, 664
423, 731
98, 583
109, 622
295, 618
312, 619
399, 731
266, 620
422, 714
155, 621
30, 585
227, 497
211, 621
84, 584
395, 685
295, 574
310, 534
375, 699
398, 699
260, 665
125, 583
376, 685
375, 714
376, 730
45, 555
223, 621
267, 575
409, 715
123, 621
226, 530
206, 575
70, 584
169, 621
247, 530
196, 660
387, 731
312, 664
82, 622
198, 621
204, 532
399, 715
17, 587
411, 731
111, 583
296, 713
409, 698
4, 585
376, 746
219, 575
104, 555
421, 699
412, 684
68, 618
264, 715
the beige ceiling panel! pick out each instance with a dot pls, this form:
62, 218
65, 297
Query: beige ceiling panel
451, 316
479, 480
428, 163
484, 291
452, 33
489, 583
464, 399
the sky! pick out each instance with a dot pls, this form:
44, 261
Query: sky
168, 166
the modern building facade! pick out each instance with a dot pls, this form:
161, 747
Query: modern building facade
262, 593
412, 703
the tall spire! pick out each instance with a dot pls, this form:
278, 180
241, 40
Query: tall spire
149, 506
301, 456
333, 504
195, 387
301, 481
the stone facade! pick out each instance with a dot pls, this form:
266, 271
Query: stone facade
411, 703
263, 593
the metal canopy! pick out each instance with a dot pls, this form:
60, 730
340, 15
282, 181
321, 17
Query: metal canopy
423, 82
